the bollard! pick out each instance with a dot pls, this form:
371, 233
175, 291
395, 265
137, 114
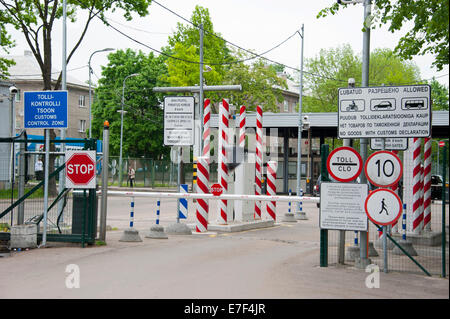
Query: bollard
180, 228
406, 244
301, 215
131, 234
157, 231
289, 217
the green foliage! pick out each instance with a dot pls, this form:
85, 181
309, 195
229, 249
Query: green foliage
260, 85
143, 122
258, 79
439, 95
332, 68
428, 32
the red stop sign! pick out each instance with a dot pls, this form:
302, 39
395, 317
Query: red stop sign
80, 169
216, 189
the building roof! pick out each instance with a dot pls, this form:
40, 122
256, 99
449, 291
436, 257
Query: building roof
27, 69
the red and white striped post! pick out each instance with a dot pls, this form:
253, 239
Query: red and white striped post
224, 112
271, 206
258, 160
242, 123
206, 127
395, 189
417, 213
427, 185
202, 186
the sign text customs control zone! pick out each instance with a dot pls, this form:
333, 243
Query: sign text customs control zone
387, 111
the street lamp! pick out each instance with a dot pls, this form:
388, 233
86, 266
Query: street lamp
90, 99
121, 127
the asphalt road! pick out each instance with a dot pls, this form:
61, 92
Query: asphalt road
280, 262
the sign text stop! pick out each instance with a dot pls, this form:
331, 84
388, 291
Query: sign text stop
80, 169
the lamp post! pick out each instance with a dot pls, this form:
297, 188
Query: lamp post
90, 99
300, 122
121, 127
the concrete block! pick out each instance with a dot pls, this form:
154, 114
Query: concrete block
178, 229
289, 218
407, 245
130, 235
157, 232
23, 236
352, 253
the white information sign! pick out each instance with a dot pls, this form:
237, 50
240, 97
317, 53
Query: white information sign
342, 206
387, 111
383, 207
383, 169
179, 120
397, 144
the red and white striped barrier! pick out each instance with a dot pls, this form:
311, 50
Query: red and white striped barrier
206, 127
242, 119
202, 188
258, 160
427, 185
417, 213
271, 206
224, 112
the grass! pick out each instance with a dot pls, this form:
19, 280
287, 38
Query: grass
6, 193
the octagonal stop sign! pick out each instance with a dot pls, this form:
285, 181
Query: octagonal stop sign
80, 169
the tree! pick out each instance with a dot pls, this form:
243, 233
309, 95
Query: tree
429, 32
36, 20
143, 122
260, 84
439, 95
5, 44
331, 69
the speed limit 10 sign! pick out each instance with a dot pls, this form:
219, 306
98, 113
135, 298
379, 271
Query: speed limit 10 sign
383, 169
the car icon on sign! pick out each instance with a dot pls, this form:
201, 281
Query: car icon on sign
383, 105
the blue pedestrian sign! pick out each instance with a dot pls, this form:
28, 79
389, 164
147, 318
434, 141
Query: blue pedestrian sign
45, 109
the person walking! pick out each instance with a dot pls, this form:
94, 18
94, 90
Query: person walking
131, 176
39, 169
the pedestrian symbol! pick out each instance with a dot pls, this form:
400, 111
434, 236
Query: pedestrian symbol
383, 206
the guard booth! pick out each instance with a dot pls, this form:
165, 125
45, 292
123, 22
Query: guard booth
71, 214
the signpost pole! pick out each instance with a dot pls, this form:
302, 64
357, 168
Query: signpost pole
385, 257
47, 159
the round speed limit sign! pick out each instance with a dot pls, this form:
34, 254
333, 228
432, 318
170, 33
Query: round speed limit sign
383, 169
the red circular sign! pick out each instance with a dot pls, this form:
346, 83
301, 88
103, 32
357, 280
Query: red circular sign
344, 164
383, 206
80, 169
441, 143
383, 169
216, 189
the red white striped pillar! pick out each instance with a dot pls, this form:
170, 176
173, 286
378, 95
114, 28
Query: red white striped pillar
271, 188
417, 213
427, 185
395, 189
202, 188
224, 112
206, 127
242, 119
258, 160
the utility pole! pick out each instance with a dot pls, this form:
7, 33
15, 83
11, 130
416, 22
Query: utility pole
200, 104
363, 260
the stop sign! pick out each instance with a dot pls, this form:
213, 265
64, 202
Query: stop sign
216, 189
80, 169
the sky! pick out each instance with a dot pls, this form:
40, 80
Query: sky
256, 25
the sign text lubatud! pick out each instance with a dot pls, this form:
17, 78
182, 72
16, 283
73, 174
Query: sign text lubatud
387, 111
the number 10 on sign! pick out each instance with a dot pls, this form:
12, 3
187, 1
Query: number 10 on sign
383, 169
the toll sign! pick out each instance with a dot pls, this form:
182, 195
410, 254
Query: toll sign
344, 164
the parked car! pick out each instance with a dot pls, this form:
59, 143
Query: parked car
436, 186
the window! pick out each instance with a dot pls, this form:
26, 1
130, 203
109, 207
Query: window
82, 101
286, 106
82, 126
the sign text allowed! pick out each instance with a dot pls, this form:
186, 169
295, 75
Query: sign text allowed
342, 206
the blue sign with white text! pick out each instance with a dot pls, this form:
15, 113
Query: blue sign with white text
45, 109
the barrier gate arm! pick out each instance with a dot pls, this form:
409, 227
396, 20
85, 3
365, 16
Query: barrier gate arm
211, 196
